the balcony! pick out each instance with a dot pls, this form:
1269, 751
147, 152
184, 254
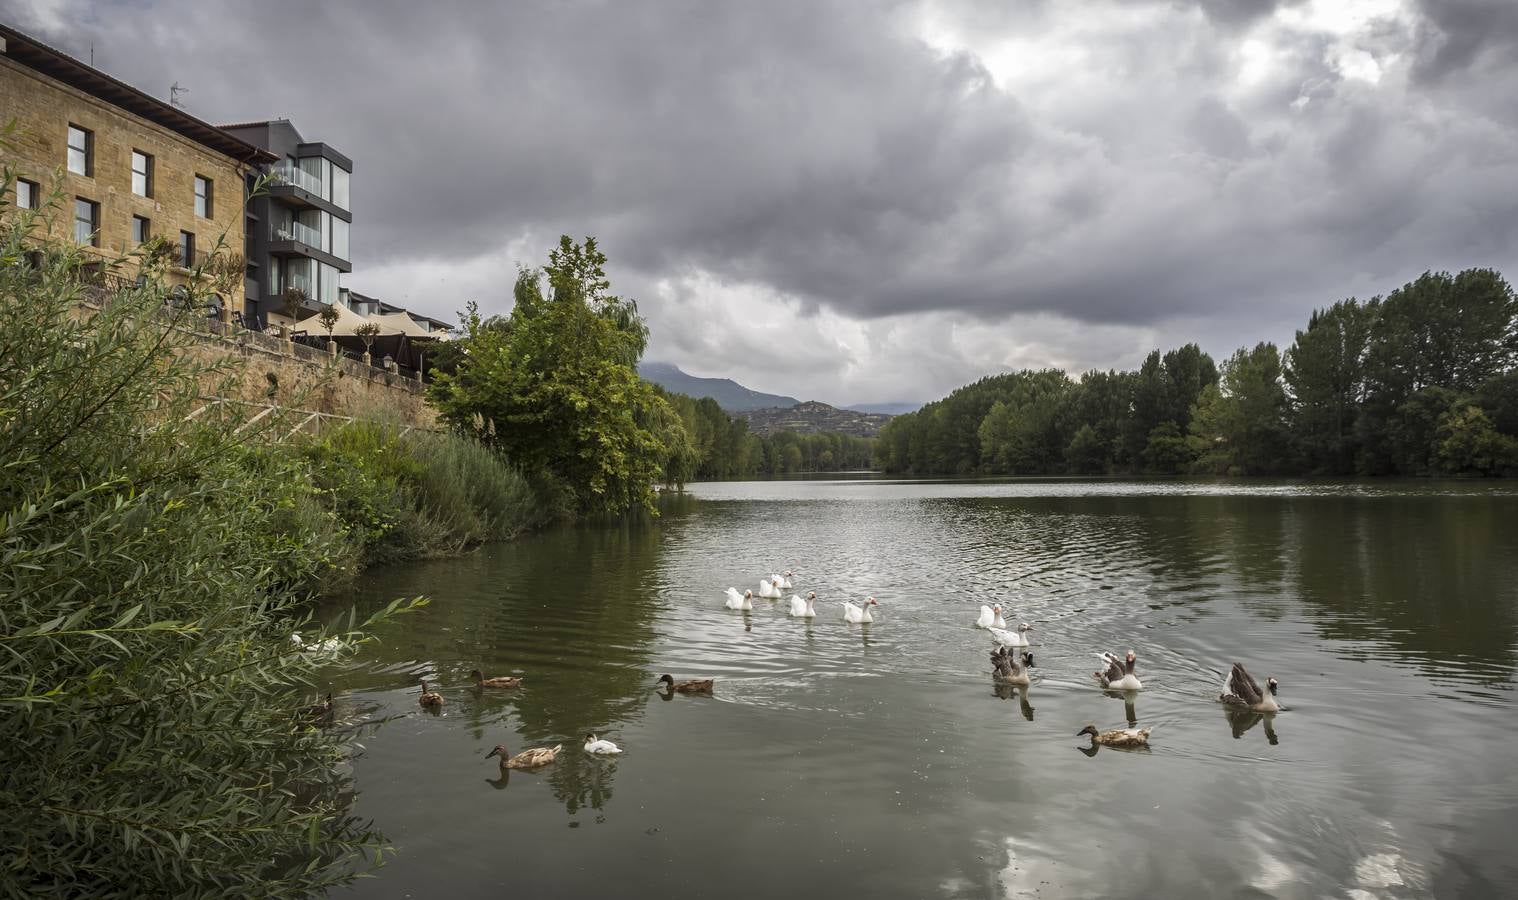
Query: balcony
296, 231
295, 176
298, 239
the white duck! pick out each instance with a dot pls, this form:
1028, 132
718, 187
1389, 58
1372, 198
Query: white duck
1118, 676
769, 588
784, 582
859, 614
600, 748
1007, 638
804, 608
743, 601
990, 617
1240, 689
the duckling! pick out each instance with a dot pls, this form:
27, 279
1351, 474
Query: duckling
1241, 690
601, 748
430, 699
527, 759
1118, 737
500, 681
694, 686
1119, 675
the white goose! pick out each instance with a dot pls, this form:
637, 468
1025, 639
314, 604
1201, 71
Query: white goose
1240, 689
990, 617
1007, 638
743, 601
785, 580
769, 588
1118, 676
858, 614
804, 608
600, 748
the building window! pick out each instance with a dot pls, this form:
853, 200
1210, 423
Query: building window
81, 151
338, 246
340, 186
142, 174
202, 196
26, 194
86, 222
186, 249
141, 229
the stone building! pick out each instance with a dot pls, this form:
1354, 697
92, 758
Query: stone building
127, 166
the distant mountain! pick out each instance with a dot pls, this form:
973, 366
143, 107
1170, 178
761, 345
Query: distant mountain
812, 417
729, 394
887, 409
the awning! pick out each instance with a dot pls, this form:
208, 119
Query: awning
404, 324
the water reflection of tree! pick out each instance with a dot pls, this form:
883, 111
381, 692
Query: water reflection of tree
572, 610
1430, 575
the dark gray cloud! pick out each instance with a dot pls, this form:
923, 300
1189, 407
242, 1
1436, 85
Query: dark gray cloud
1219, 166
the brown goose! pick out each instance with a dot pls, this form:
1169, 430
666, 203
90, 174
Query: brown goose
1119, 674
1241, 690
1006, 667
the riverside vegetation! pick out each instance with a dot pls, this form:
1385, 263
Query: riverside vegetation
155, 557
1421, 382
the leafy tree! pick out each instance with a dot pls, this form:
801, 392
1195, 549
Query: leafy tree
1240, 427
1166, 452
1087, 454
1325, 372
557, 387
1468, 444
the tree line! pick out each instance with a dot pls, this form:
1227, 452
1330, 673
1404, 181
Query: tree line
1419, 382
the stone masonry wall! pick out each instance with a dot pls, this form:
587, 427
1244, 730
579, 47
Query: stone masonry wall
43, 108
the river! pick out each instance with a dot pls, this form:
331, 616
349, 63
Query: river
880, 761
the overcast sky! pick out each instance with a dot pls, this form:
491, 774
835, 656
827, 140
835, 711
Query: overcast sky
874, 201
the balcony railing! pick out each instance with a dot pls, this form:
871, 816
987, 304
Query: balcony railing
295, 175
296, 231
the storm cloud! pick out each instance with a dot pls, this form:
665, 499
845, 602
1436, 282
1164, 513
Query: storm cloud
867, 201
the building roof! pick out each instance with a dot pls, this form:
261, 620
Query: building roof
386, 308
34, 54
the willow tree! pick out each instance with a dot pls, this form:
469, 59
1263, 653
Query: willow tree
556, 386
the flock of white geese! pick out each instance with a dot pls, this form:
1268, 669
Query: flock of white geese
1240, 690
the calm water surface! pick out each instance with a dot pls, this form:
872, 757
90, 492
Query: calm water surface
879, 760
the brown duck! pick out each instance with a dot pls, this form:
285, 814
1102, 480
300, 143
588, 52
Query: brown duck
527, 759
500, 681
694, 686
430, 699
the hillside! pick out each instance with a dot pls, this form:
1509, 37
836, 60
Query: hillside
812, 417
889, 409
729, 394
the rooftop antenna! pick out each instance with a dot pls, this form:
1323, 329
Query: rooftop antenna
92, 54
174, 91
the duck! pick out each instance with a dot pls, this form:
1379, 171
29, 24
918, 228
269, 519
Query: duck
318, 710
500, 681
1240, 690
735, 600
527, 759
693, 686
430, 699
1008, 638
769, 588
804, 608
600, 748
785, 580
990, 617
1005, 667
859, 614
1118, 676
1117, 737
